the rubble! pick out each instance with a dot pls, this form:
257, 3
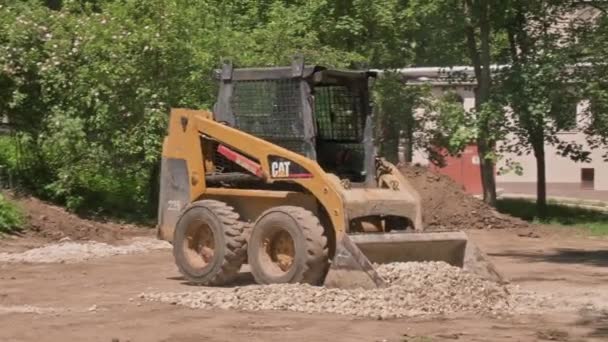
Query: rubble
69, 251
415, 289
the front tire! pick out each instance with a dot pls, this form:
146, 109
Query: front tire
208, 246
287, 245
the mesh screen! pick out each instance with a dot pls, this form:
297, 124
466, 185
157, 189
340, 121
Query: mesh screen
338, 113
269, 109
298, 146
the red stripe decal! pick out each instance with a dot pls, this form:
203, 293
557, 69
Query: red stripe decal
300, 175
241, 160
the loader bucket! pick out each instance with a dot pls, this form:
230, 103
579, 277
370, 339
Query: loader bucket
403, 247
352, 266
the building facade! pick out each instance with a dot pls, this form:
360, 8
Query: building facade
565, 177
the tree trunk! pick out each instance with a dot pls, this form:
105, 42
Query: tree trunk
154, 188
541, 180
54, 4
409, 144
488, 180
480, 56
405, 146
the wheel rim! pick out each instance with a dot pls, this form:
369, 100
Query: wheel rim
199, 245
279, 251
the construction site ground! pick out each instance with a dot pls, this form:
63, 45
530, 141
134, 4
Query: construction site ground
97, 300
69, 279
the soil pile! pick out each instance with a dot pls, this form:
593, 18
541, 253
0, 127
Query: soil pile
446, 206
53, 223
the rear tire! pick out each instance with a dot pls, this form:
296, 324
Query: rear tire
287, 245
208, 245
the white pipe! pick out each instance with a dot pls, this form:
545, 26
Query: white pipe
445, 71
437, 71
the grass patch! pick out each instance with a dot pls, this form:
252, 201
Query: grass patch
595, 221
11, 217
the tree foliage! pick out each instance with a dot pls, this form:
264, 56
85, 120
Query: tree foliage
544, 85
11, 218
397, 106
87, 84
593, 49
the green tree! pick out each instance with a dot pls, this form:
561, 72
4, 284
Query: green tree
593, 49
542, 85
11, 217
397, 104
88, 84
480, 26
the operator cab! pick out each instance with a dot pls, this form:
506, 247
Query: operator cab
317, 112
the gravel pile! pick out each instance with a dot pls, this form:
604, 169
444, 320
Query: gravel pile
26, 309
68, 251
415, 289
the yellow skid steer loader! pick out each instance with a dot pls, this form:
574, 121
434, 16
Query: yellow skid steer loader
283, 175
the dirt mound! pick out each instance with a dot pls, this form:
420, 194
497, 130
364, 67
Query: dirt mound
445, 205
53, 223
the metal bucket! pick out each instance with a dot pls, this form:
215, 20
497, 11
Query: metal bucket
352, 265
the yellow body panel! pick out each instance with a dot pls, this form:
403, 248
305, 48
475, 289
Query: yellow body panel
183, 142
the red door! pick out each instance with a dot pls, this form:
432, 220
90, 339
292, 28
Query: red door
464, 170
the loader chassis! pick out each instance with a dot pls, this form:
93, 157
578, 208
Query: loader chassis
278, 176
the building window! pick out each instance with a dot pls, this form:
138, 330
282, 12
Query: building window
564, 111
453, 97
588, 179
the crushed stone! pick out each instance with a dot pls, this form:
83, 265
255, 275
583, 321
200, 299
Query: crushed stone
69, 251
415, 289
14, 309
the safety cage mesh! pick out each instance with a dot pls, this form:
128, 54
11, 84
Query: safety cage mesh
338, 113
269, 108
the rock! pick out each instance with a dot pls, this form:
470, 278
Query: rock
427, 288
92, 308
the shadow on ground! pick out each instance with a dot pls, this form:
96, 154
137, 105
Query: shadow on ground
598, 321
243, 279
563, 256
600, 332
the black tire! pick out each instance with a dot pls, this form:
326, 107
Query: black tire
309, 261
196, 224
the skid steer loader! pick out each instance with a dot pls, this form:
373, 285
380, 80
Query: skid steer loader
282, 175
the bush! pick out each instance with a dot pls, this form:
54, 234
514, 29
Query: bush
11, 218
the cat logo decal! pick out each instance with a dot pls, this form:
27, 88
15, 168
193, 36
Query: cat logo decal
284, 168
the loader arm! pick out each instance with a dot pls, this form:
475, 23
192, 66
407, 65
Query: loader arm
184, 160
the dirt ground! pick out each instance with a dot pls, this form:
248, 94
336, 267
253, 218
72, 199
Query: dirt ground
47, 223
97, 300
